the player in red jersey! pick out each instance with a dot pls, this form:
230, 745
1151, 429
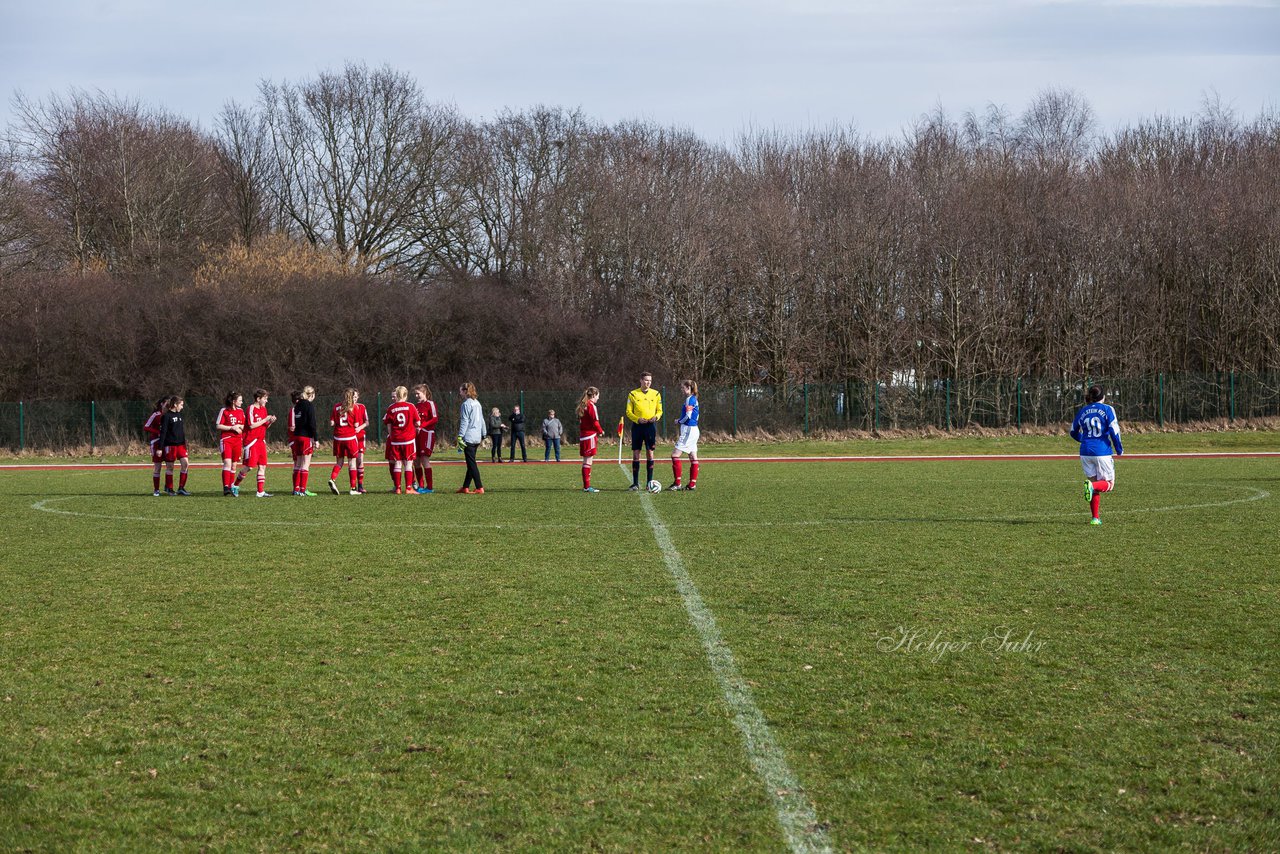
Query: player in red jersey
230, 423
361, 415
589, 433
151, 429
302, 438
346, 440
426, 443
255, 442
173, 438
402, 422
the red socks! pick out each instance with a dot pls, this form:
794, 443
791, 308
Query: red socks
262, 484
430, 480
155, 483
395, 478
693, 472
677, 465
586, 477
182, 481
168, 482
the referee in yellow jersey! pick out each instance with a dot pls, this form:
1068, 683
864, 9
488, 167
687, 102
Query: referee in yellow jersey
644, 408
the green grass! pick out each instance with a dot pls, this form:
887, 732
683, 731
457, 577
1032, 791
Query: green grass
518, 670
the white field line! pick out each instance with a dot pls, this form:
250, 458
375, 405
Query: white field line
796, 815
44, 506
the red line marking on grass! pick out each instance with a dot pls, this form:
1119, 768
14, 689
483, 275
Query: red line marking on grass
924, 458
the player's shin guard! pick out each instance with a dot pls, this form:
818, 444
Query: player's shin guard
354, 482
155, 483
333, 475
430, 481
648, 471
262, 483
635, 472
678, 467
693, 472
182, 480
1095, 504
586, 477
168, 482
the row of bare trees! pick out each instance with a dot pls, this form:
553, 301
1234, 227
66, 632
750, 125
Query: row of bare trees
984, 245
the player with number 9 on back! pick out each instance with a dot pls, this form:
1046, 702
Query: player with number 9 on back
402, 420
1098, 431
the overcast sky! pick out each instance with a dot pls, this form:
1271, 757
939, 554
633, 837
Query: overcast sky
716, 66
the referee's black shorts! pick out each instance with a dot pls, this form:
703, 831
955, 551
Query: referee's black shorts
644, 434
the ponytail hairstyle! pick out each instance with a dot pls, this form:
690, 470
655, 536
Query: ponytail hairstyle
162, 403
1094, 394
587, 394
469, 391
231, 399
309, 392
401, 393
422, 387
348, 401
259, 394
295, 396
691, 386
173, 401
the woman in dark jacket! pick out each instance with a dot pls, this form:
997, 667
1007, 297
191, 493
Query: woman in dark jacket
303, 437
517, 434
496, 429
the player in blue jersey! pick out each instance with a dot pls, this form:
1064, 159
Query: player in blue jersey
688, 441
1098, 432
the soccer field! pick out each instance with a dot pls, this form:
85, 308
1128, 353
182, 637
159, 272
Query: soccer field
805, 655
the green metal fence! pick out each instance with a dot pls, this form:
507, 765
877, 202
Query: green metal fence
944, 404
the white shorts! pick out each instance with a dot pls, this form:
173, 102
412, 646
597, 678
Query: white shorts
688, 441
1099, 468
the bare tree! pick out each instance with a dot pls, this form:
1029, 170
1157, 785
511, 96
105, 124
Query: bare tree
353, 156
131, 187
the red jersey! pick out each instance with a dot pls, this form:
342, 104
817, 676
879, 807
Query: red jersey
428, 414
151, 427
344, 423
259, 433
403, 420
589, 424
360, 416
289, 425
230, 418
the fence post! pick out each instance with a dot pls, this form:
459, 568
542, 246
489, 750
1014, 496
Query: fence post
735, 411
93, 425
22, 428
948, 404
1232, 411
379, 413
805, 387
1019, 393
875, 405
1160, 402
662, 399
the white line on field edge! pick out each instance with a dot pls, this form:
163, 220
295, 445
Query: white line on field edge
45, 506
796, 815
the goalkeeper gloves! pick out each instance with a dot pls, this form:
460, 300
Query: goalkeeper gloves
461, 445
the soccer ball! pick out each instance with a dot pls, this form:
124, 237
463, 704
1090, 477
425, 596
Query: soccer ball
654, 486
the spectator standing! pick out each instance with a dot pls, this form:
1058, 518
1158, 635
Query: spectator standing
552, 433
517, 434
496, 429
